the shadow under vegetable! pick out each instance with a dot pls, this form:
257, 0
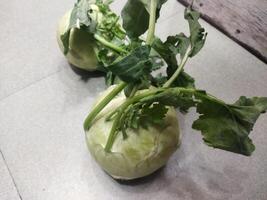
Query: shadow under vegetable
86, 75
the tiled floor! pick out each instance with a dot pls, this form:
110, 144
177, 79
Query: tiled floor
7, 190
43, 103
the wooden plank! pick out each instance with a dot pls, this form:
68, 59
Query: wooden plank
245, 21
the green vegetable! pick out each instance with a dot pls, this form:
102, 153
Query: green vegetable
144, 151
81, 44
133, 129
90, 35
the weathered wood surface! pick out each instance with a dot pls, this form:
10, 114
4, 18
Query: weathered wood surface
245, 21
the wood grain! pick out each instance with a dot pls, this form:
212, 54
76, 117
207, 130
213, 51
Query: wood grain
245, 21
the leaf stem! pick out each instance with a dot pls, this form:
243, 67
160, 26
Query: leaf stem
121, 109
152, 22
89, 119
179, 70
112, 134
109, 44
211, 98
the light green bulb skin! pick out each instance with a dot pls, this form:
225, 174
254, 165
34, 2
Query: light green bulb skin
142, 153
81, 46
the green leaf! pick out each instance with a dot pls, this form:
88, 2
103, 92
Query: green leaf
184, 46
144, 115
135, 15
226, 126
108, 25
159, 80
65, 38
153, 114
197, 33
134, 67
79, 15
184, 80
178, 44
168, 56
168, 50
165, 52
249, 110
135, 18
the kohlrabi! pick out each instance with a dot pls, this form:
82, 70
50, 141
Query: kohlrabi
132, 129
82, 45
90, 35
139, 152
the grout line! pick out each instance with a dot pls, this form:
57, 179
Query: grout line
10, 174
30, 84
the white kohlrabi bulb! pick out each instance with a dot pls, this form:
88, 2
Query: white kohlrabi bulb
143, 152
81, 46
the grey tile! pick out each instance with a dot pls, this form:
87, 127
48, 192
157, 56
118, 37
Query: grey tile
28, 50
7, 188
